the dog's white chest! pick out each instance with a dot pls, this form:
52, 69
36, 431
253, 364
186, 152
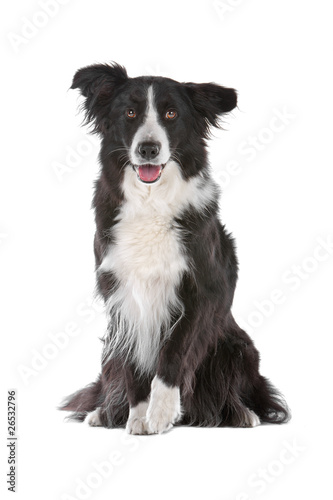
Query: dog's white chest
148, 262
146, 249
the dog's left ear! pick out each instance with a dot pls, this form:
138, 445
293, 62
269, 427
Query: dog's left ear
211, 100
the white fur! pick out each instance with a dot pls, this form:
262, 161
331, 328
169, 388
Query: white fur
164, 406
151, 131
137, 423
148, 262
93, 418
251, 419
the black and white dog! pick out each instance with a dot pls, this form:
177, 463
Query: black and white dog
166, 267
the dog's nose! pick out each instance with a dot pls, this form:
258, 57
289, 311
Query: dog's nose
149, 150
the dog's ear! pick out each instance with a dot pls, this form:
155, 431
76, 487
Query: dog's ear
211, 100
98, 83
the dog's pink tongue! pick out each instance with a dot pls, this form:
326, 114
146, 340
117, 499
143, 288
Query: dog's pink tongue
149, 173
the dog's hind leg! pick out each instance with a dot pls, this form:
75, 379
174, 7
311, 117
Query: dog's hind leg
236, 414
251, 419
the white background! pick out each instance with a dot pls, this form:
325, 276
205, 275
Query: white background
277, 201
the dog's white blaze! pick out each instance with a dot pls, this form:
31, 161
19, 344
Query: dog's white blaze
148, 262
150, 131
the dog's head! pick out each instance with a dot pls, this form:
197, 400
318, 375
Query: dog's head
147, 122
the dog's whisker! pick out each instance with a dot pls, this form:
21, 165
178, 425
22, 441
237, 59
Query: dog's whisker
116, 150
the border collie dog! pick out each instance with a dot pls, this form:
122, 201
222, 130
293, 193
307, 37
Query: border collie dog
165, 265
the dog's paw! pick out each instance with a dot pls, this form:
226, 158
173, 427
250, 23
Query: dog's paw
137, 423
251, 419
164, 407
93, 418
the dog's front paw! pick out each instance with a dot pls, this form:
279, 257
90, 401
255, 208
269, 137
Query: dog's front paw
164, 407
137, 423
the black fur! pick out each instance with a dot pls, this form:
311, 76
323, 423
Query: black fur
211, 359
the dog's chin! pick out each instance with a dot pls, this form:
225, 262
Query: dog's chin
149, 173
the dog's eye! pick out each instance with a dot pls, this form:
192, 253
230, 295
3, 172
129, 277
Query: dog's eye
170, 115
131, 113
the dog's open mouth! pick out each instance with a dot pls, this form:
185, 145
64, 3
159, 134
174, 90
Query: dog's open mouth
148, 173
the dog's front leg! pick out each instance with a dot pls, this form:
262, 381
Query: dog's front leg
137, 389
164, 407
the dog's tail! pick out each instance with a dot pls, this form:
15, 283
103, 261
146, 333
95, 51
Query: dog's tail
257, 392
108, 393
83, 401
268, 403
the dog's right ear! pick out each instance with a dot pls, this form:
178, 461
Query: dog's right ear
98, 83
